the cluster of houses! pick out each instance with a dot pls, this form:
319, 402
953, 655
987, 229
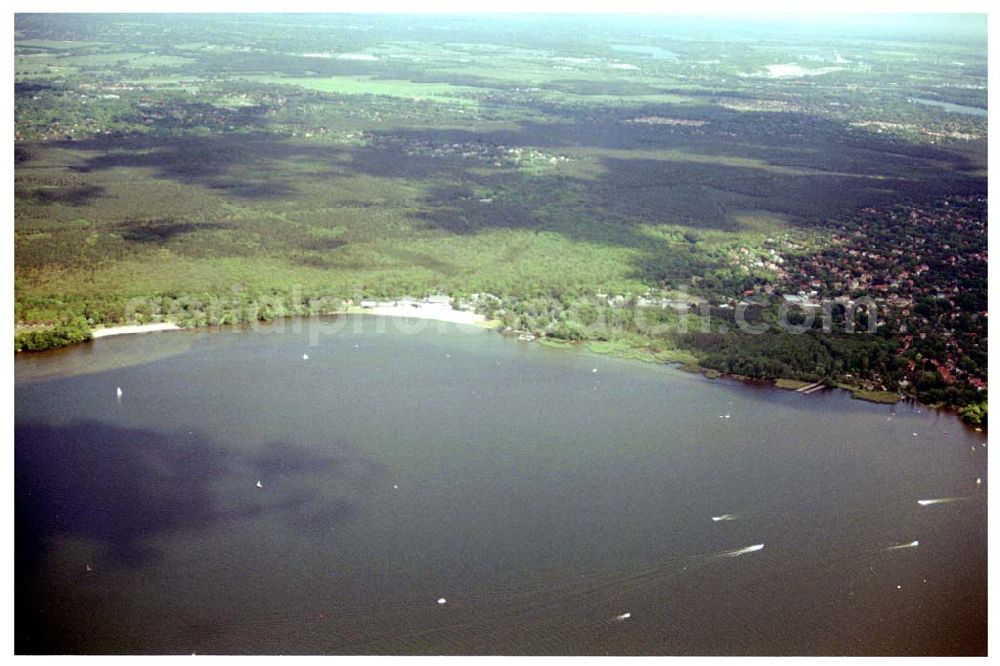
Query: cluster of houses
434, 301
650, 300
899, 256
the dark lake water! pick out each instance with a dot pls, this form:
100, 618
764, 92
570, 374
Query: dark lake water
655, 52
953, 108
401, 464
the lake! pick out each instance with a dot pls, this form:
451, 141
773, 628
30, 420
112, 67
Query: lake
953, 108
553, 508
655, 52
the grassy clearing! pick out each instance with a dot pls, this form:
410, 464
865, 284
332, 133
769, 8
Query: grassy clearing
64, 65
51, 45
686, 360
556, 343
629, 100
639, 351
881, 397
363, 85
790, 384
716, 159
760, 221
621, 349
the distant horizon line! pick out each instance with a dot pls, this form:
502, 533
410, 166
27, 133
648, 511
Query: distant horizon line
707, 8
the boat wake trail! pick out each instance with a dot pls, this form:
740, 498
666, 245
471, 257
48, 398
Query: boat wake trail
725, 517
550, 609
940, 500
912, 544
741, 551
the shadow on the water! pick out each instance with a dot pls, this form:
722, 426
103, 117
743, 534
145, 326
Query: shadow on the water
284, 458
117, 486
121, 488
288, 466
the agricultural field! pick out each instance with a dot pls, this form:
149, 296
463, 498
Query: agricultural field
188, 158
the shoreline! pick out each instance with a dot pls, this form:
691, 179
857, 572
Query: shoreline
133, 329
675, 357
465, 318
460, 317
440, 314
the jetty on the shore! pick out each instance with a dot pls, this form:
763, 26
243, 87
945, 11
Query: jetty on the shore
810, 388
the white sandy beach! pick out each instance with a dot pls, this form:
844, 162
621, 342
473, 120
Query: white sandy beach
426, 312
135, 328
406, 311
